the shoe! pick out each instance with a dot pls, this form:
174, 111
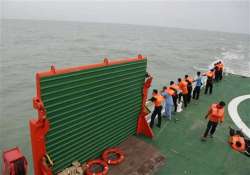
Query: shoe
203, 139
159, 126
211, 136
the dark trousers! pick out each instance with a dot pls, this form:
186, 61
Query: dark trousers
209, 86
175, 98
179, 97
217, 75
185, 97
157, 111
220, 74
211, 126
196, 92
189, 96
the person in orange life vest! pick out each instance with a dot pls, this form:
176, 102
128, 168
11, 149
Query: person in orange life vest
184, 91
210, 79
157, 99
215, 115
175, 88
238, 142
216, 72
221, 68
189, 81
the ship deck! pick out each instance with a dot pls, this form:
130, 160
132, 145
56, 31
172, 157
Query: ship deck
180, 141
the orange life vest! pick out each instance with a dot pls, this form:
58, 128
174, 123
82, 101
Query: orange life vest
216, 114
221, 66
170, 91
183, 87
237, 138
210, 74
189, 79
174, 86
159, 100
216, 67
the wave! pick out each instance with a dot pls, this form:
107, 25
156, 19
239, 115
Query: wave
236, 61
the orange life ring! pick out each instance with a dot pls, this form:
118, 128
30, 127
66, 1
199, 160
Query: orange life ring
100, 162
117, 151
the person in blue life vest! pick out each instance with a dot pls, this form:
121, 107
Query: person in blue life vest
198, 80
167, 94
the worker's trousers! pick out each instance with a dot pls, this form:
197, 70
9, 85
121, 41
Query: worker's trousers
210, 87
220, 75
189, 95
168, 111
196, 92
175, 98
211, 126
157, 111
185, 97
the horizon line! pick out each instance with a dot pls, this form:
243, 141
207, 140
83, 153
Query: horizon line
114, 23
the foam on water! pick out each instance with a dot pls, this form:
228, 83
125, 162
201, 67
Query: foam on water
236, 60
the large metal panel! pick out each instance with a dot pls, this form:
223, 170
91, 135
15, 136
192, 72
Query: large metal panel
90, 110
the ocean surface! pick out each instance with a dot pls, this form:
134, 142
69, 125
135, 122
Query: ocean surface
30, 46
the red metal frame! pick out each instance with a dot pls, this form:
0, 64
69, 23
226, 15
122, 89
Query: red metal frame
39, 127
142, 125
55, 71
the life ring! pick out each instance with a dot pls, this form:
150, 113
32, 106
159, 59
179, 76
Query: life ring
119, 154
100, 162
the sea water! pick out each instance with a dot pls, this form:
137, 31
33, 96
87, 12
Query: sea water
30, 46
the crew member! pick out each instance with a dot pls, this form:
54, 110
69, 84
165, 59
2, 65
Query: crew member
221, 69
238, 142
209, 83
198, 80
184, 91
175, 88
167, 94
189, 81
216, 72
215, 115
157, 99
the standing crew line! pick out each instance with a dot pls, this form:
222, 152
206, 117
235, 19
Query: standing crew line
174, 94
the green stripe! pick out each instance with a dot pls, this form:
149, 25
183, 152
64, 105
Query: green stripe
91, 110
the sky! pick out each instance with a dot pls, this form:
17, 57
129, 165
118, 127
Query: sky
220, 15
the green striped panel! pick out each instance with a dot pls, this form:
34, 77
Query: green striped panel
91, 110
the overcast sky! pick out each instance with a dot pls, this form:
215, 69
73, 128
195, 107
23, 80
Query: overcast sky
228, 16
